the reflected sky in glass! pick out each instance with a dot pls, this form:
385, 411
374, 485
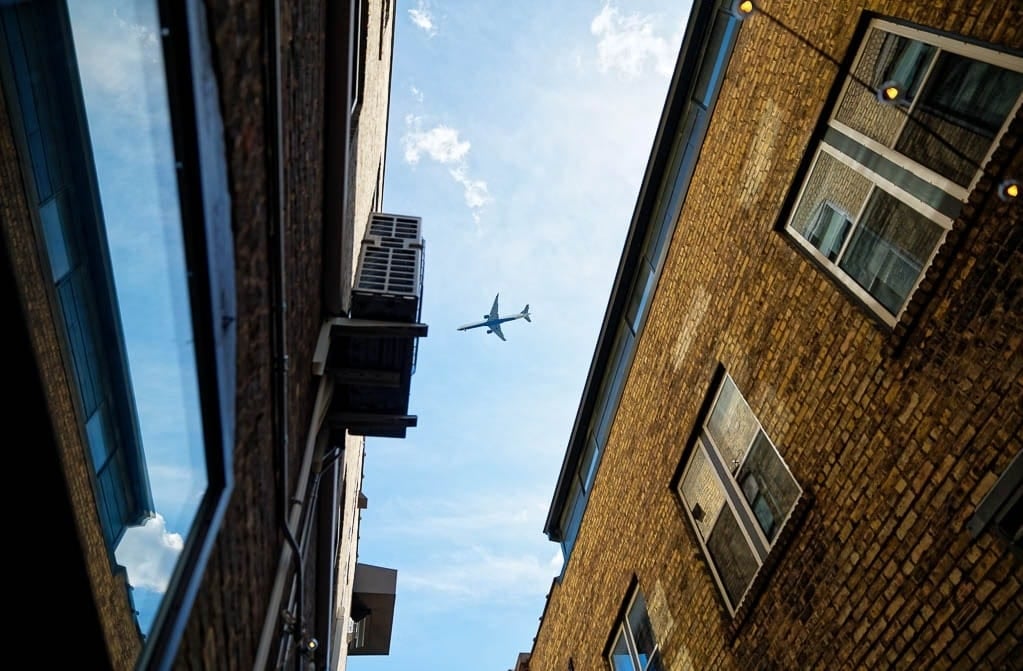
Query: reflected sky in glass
117, 45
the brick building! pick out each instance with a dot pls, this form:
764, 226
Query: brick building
798, 445
191, 196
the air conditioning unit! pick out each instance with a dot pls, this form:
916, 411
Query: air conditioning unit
388, 282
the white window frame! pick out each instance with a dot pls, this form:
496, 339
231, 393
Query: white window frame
760, 546
958, 192
624, 629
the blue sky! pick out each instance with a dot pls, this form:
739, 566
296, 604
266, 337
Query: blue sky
519, 132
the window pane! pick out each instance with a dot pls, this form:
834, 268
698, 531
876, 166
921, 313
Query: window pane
833, 193
654, 664
621, 660
732, 425
53, 233
884, 57
963, 106
828, 231
732, 556
768, 486
642, 632
702, 492
890, 248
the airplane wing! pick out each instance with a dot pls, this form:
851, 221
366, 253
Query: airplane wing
493, 310
496, 328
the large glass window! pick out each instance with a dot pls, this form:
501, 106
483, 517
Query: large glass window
635, 647
124, 231
737, 491
888, 180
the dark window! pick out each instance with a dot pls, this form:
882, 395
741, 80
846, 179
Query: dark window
737, 492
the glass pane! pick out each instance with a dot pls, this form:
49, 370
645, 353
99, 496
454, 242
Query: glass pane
830, 187
884, 57
733, 558
768, 486
701, 490
963, 106
642, 632
892, 245
621, 660
732, 424
573, 518
828, 230
53, 231
117, 47
655, 664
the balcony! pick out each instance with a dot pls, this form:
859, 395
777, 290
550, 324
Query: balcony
371, 354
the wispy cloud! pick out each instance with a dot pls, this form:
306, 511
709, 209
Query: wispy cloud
476, 193
480, 576
483, 558
440, 143
628, 43
416, 94
444, 145
149, 553
423, 18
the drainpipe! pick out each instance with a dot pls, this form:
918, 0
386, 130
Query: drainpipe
290, 509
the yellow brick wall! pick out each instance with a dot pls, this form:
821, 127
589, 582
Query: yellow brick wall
895, 447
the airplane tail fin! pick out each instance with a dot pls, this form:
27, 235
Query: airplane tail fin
525, 313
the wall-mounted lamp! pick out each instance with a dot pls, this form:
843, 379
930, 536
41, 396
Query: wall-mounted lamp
890, 92
1009, 190
743, 8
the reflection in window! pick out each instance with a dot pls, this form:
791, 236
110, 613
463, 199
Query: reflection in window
736, 504
635, 648
886, 181
88, 90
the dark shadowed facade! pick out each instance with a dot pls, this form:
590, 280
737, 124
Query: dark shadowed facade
209, 313
799, 443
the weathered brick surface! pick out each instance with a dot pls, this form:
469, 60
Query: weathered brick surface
895, 435
229, 613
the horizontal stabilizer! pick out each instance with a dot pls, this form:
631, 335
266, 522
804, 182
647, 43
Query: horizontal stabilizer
525, 313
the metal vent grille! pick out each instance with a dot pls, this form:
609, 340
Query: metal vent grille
393, 229
389, 279
388, 270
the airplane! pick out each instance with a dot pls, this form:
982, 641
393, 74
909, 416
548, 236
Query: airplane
493, 321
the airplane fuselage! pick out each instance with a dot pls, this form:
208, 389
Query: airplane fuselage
489, 323
493, 320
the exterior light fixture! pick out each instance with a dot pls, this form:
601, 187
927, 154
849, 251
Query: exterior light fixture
1009, 190
890, 92
743, 8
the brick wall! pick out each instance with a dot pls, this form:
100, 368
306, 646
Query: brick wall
895, 445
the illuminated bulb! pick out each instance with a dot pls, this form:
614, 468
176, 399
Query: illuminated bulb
889, 92
1008, 190
746, 6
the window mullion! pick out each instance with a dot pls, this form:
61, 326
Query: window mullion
736, 500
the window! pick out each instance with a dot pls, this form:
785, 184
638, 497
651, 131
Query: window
887, 180
634, 647
110, 141
1001, 510
737, 492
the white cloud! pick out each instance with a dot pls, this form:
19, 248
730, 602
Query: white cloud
440, 143
476, 193
482, 557
444, 145
416, 93
627, 43
478, 575
422, 18
149, 553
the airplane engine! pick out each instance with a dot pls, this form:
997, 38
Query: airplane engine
489, 331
